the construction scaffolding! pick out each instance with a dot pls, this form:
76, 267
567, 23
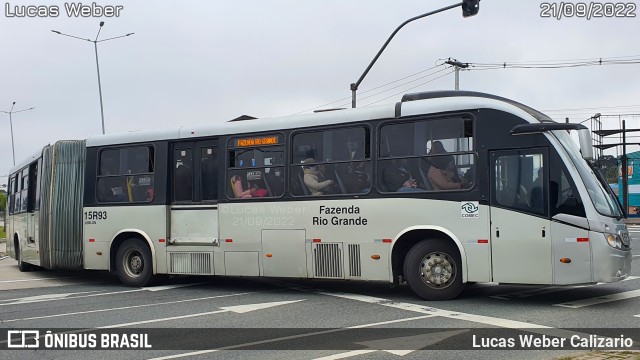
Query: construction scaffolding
610, 132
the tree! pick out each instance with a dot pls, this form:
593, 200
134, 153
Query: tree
3, 200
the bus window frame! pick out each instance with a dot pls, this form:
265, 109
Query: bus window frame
120, 147
429, 117
230, 146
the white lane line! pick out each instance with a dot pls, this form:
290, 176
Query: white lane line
322, 332
158, 288
600, 299
49, 296
20, 302
162, 319
346, 354
239, 309
486, 320
636, 256
37, 279
548, 290
133, 306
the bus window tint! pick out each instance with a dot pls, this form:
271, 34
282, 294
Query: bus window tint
331, 162
519, 182
426, 155
126, 175
255, 170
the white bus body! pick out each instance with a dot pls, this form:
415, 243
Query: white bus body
530, 210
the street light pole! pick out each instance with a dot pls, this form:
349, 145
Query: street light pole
469, 8
95, 46
10, 112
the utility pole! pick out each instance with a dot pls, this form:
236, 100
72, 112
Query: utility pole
457, 65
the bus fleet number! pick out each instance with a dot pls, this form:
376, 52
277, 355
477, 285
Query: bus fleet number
95, 215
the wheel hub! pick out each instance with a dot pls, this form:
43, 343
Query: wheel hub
437, 270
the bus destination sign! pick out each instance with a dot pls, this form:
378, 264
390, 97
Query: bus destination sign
257, 141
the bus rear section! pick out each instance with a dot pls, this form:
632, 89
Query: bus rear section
45, 213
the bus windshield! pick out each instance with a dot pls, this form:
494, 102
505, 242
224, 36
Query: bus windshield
603, 200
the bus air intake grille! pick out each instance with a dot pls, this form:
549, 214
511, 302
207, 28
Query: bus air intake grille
190, 263
327, 260
354, 260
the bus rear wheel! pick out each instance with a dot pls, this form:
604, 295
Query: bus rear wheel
134, 263
22, 266
433, 270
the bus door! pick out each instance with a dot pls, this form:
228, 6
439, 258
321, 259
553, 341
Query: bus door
194, 206
33, 204
521, 247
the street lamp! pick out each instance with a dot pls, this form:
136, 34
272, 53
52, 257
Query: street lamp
469, 8
95, 45
13, 149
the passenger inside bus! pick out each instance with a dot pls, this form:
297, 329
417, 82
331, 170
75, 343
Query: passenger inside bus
275, 181
238, 189
395, 174
257, 191
312, 179
443, 174
356, 178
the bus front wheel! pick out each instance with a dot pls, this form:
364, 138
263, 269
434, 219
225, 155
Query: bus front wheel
433, 270
134, 263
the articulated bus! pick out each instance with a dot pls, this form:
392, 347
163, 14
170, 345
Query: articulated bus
439, 190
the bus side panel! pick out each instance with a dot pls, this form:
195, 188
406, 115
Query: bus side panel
345, 238
103, 224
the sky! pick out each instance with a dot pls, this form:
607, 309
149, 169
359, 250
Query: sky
197, 62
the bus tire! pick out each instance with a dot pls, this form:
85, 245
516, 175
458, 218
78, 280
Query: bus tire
134, 263
22, 266
433, 270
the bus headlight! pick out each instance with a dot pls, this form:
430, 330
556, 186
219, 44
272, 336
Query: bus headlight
614, 241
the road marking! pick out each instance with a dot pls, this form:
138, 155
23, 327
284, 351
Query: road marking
548, 290
409, 344
49, 296
133, 306
36, 279
290, 337
636, 256
600, 299
239, 309
158, 288
4, 257
20, 302
346, 355
486, 320
169, 287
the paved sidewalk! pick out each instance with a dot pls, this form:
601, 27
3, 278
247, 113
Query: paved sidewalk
3, 247
604, 355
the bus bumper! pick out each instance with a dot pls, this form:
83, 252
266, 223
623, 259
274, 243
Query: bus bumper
609, 264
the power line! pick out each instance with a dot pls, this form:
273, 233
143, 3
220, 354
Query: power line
402, 92
621, 60
375, 88
593, 108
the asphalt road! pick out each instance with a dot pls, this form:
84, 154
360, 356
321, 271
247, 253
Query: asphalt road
256, 318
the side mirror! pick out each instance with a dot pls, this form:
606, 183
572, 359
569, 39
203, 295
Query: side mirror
586, 146
470, 7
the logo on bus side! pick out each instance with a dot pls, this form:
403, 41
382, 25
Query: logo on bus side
469, 210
